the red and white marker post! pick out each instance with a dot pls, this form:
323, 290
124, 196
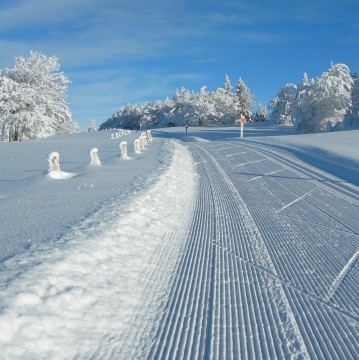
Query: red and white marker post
242, 121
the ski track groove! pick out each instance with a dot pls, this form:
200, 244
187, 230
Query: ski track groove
239, 317
251, 284
173, 325
328, 181
302, 286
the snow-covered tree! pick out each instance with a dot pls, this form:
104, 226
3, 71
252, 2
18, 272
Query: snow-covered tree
261, 113
243, 99
353, 116
185, 111
225, 109
92, 126
186, 107
32, 98
324, 104
282, 105
227, 84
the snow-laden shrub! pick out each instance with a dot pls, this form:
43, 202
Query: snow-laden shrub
143, 141
94, 157
137, 146
123, 148
149, 135
54, 161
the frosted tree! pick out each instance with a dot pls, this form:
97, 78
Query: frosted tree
185, 110
204, 107
261, 113
282, 105
353, 117
17, 109
186, 107
225, 109
92, 126
324, 104
243, 99
227, 84
33, 98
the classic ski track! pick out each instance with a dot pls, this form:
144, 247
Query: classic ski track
179, 307
346, 269
222, 307
237, 294
349, 191
308, 298
327, 180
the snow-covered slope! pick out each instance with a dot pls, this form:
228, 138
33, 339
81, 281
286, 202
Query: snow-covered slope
201, 246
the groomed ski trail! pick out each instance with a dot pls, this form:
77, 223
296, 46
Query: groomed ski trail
226, 300
270, 267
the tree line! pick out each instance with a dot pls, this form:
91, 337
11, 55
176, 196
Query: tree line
33, 103
325, 103
219, 107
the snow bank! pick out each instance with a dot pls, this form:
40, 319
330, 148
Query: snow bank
70, 300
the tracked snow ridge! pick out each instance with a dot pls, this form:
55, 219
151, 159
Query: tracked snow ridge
221, 306
313, 242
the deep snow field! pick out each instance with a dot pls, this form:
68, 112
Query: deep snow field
78, 255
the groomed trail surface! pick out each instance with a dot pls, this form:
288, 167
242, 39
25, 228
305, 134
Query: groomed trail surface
270, 269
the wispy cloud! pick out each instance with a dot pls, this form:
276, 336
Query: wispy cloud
117, 51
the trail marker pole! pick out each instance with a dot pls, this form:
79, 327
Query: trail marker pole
243, 121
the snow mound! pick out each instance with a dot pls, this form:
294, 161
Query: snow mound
60, 175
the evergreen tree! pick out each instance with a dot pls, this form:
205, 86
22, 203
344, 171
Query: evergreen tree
261, 114
282, 105
353, 117
243, 99
92, 126
324, 104
227, 84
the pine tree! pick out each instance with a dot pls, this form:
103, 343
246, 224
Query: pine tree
261, 113
92, 126
324, 104
354, 113
282, 105
243, 99
227, 84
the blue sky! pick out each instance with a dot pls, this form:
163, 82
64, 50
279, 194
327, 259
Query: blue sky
116, 51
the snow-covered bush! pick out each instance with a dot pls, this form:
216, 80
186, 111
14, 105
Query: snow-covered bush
143, 141
94, 157
149, 135
137, 146
54, 161
123, 148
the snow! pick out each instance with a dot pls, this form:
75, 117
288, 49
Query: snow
124, 259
